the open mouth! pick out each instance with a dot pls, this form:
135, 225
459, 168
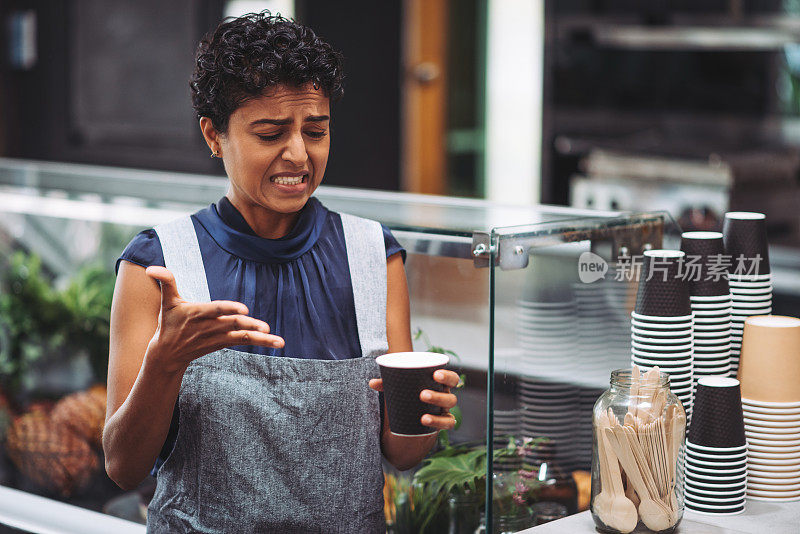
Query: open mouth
289, 180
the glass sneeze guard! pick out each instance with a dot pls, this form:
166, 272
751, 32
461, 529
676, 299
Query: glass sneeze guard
474, 270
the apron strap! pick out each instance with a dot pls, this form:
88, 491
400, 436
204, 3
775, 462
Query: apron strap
182, 257
366, 255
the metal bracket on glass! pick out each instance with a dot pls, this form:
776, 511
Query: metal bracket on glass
637, 232
482, 249
513, 254
509, 256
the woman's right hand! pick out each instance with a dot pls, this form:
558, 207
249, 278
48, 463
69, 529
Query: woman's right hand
189, 330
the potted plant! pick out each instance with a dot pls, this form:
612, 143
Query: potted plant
42, 327
53, 347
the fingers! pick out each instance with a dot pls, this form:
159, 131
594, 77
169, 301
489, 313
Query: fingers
448, 378
217, 308
376, 384
445, 400
169, 291
441, 422
253, 337
242, 322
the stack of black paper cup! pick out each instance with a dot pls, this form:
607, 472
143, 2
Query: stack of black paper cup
750, 279
711, 303
507, 426
716, 449
661, 324
549, 346
548, 411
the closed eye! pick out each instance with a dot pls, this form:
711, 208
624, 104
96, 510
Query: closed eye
313, 134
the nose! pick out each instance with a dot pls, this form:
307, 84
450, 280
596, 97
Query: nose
295, 150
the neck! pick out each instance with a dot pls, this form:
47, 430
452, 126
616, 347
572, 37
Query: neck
265, 223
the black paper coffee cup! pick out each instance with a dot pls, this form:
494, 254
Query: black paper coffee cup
663, 292
703, 251
717, 419
745, 234
405, 375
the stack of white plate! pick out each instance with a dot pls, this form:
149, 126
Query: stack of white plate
620, 296
546, 335
592, 332
773, 457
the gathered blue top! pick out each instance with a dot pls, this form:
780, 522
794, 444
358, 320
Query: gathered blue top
298, 284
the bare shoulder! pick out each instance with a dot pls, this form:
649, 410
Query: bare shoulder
134, 319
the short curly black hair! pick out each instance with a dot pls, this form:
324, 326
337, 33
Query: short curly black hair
244, 56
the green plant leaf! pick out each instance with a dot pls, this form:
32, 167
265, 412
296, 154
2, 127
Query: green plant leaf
38, 320
457, 414
444, 439
446, 474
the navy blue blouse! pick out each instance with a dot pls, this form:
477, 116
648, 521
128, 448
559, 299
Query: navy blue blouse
298, 284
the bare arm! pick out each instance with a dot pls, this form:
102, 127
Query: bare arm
406, 452
155, 335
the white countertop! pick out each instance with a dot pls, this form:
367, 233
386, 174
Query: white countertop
40, 515
759, 517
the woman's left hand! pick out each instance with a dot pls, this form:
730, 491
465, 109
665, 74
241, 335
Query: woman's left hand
444, 399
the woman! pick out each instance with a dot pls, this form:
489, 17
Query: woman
243, 337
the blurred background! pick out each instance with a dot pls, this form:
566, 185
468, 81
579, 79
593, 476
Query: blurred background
689, 106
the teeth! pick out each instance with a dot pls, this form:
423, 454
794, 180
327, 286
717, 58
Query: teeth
289, 180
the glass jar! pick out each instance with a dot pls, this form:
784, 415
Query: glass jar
637, 477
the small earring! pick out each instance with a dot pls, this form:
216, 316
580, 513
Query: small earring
214, 155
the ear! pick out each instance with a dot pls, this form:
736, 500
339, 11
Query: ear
211, 135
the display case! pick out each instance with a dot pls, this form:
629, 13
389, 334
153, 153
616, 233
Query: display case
533, 302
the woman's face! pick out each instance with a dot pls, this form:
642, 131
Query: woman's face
276, 148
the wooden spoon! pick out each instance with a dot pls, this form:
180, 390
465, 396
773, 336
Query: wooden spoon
641, 459
670, 498
631, 493
668, 418
635, 379
658, 403
602, 501
613, 508
623, 509
611, 421
654, 515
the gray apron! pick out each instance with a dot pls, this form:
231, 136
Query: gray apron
277, 444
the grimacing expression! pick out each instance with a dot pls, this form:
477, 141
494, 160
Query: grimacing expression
276, 148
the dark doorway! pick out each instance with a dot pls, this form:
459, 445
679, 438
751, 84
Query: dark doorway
110, 85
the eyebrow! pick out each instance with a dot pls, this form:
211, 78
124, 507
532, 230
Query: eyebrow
282, 122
